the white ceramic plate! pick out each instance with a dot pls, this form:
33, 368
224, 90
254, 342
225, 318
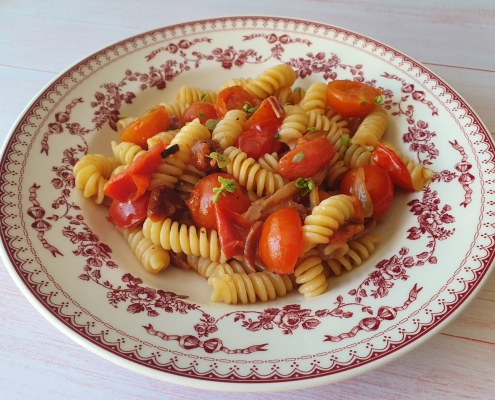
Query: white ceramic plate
436, 247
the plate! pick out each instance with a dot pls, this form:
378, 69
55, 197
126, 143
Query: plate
435, 251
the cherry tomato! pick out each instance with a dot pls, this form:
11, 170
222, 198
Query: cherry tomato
234, 98
378, 183
146, 126
201, 201
351, 98
259, 140
281, 239
269, 110
133, 181
306, 159
391, 162
127, 214
202, 110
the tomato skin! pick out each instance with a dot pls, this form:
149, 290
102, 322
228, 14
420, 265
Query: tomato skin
391, 162
132, 182
234, 98
232, 229
269, 110
146, 126
306, 159
281, 239
259, 140
127, 214
351, 98
202, 110
200, 202
379, 184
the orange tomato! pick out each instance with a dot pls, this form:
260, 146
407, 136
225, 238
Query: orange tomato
351, 98
146, 126
281, 239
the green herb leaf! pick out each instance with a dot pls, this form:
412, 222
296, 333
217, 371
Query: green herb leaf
379, 99
203, 96
312, 129
344, 140
211, 124
305, 185
226, 186
201, 114
249, 109
298, 157
222, 159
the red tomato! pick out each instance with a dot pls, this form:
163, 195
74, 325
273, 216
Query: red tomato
378, 183
232, 229
259, 140
146, 126
127, 214
132, 182
351, 98
306, 159
234, 98
201, 201
203, 111
269, 110
391, 162
281, 239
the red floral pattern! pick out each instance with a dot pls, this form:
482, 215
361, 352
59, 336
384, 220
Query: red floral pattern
292, 319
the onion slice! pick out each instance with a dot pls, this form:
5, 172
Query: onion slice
359, 190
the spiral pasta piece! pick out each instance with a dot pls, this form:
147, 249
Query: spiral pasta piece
207, 268
182, 238
271, 80
294, 125
91, 173
164, 137
126, 152
315, 97
191, 95
420, 175
360, 250
152, 257
371, 128
325, 219
335, 125
287, 95
229, 128
310, 275
250, 174
270, 162
242, 82
248, 288
172, 167
189, 179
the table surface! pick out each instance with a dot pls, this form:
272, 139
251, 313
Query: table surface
39, 39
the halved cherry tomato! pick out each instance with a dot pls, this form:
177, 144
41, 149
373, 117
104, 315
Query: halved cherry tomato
146, 126
391, 162
281, 239
259, 140
132, 182
306, 159
234, 98
201, 201
378, 183
127, 214
268, 111
202, 110
232, 229
351, 98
